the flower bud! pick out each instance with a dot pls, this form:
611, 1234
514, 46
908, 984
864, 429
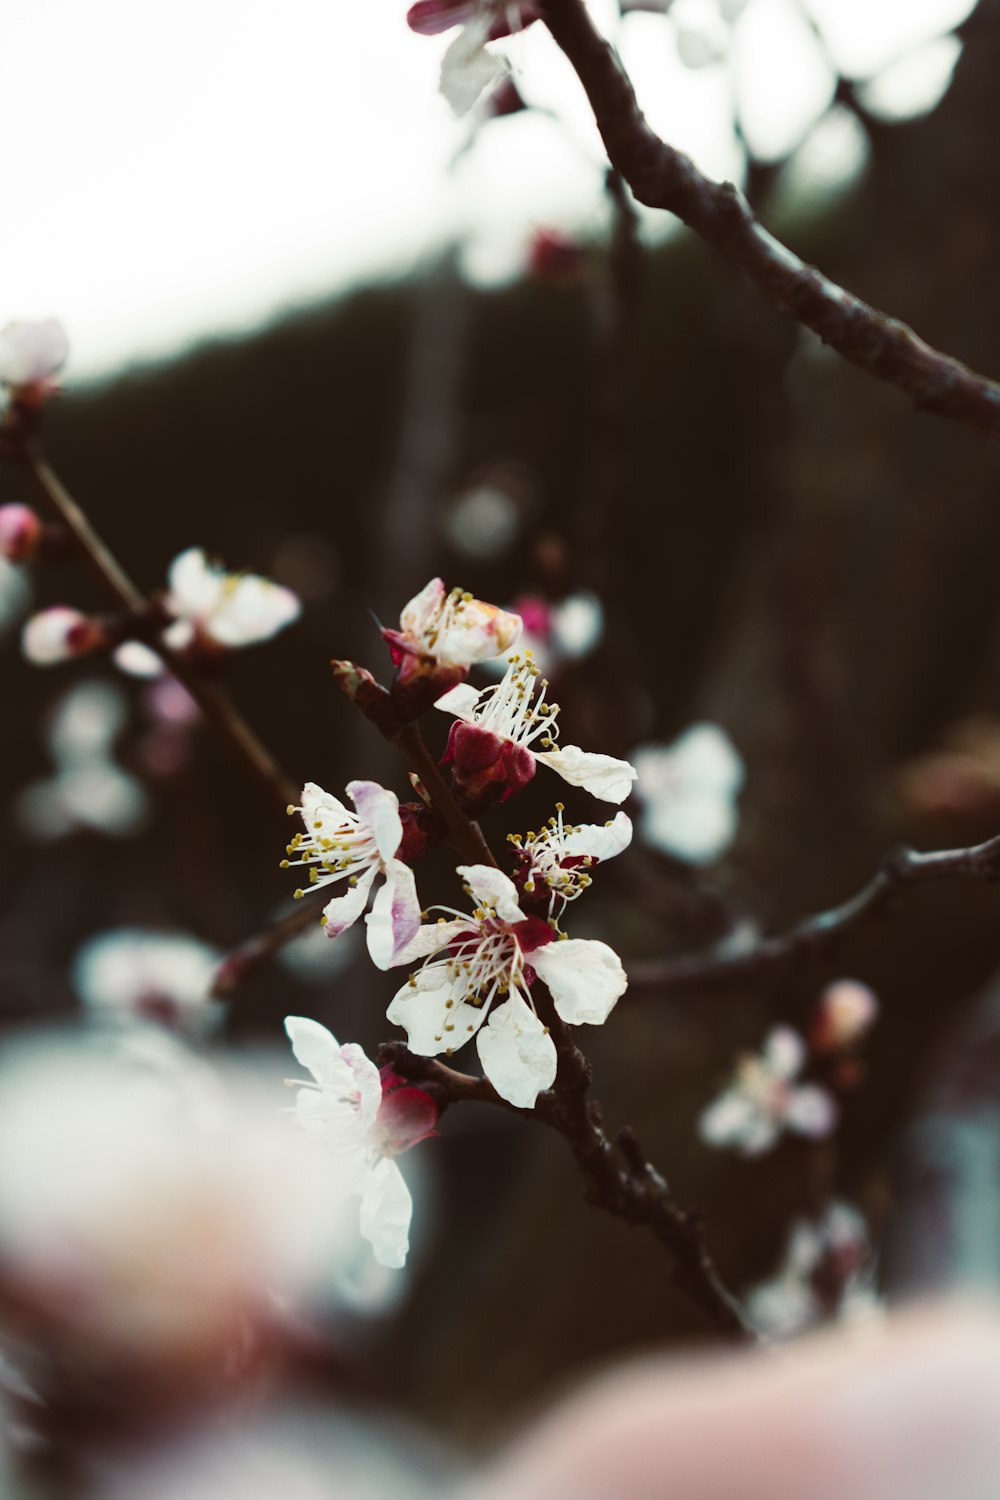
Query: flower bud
847, 1009
485, 768
406, 1116
20, 532
59, 634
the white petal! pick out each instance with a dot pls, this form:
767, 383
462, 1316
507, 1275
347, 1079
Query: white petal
480, 632
431, 938
491, 887
811, 1111
316, 1049
585, 977
322, 807
419, 613
195, 586
366, 1079
32, 351
460, 701
343, 911
433, 1012
784, 1052
696, 826
378, 809
386, 1209
601, 775
394, 919
467, 69
730, 1120
517, 1053
251, 609
600, 840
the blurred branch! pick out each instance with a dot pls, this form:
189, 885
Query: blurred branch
819, 936
622, 1182
662, 177
210, 698
239, 963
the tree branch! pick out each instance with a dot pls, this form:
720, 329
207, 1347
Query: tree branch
662, 177
239, 963
819, 936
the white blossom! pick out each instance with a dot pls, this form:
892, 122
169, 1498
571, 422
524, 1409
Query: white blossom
358, 848
226, 609
138, 974
688, 791
827, 1272
846, 1011
764, 1100
31, 355
480, 986
558, 859
340, 1109
513, 713
59, 634
453, 628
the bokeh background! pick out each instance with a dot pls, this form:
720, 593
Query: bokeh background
317, 332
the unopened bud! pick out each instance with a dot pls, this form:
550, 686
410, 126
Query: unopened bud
20, 532
59, 634
846, 1011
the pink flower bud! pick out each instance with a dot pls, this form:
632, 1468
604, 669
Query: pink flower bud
846, 1011
59, 634
406, 1115
20, 532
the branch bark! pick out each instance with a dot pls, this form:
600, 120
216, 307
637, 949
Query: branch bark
662, 177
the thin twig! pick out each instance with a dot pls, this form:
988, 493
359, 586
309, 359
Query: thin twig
464, 835
239, 963
662, 177
209, 696
819, 936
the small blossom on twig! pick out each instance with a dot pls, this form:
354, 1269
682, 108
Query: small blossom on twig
347, 1109
21, 531
688, 791
59, 634
846, 1012
212, 608
554, 864
827, 1273
764, 1100
486, 967
31, 356
490, 744
137, 974
359, 848
441, 635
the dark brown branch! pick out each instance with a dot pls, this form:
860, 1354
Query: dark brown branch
464, 834
821, 935
209, 696
238, 965
662, 177
623, 1183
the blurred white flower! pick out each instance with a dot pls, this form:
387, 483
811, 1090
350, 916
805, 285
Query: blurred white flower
359, 848
89, 790
139, 974
223, 609
689, 791
15, 594
827, 1272
136, 659
764, 1100
557, 633
151, 1210
31, 356
846, 1011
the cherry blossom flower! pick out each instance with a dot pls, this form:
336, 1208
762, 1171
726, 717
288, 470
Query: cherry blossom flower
441, 635
20, 532
480, 986
763, 1100
553, 865
490, 744
688, 791
138, 974
468, 69
31, 356
363, 1121
214, 608
827, 1272
358, 848
59, 634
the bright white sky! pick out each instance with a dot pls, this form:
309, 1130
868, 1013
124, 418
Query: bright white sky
177, 169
